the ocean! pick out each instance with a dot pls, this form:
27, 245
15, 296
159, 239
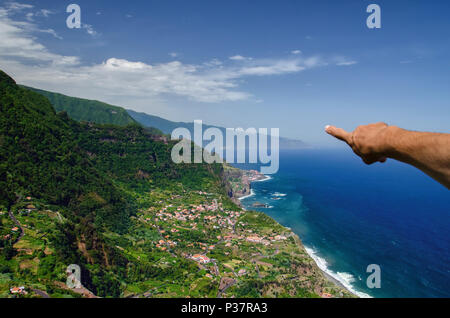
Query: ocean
350, 215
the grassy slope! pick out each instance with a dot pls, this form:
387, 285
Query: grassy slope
87, 110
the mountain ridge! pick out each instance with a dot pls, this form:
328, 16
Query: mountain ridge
167, 126
99, 112
81, 109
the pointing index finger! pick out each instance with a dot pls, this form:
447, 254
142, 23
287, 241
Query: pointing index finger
339, 133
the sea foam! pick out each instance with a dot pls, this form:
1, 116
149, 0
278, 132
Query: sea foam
266, 179
346, 279
252, 193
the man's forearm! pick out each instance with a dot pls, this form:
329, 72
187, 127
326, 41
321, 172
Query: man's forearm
429, 152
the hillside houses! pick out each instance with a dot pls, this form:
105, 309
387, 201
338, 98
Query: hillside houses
202, 259
254, 239
18, 290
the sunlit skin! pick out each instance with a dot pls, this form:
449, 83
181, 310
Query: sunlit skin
429, 152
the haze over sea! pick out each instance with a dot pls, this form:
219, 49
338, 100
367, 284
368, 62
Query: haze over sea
350, 215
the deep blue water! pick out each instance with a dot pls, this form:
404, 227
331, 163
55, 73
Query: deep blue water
353, 215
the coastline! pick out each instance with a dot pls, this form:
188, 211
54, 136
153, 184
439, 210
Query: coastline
265, 179
320, 263
252, 193
337, 278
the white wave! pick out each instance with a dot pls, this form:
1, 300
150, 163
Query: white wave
252, 193
266, 179
346, 279
278, 194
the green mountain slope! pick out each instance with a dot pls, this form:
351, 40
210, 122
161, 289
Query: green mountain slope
40, 156
87, 110
93, 175
166, 126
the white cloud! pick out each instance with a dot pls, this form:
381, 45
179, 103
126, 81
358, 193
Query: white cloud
213, 63
237, 58
240, 58
296, 52
12, 8
45, 13
12, 27
173, 54
115, 80
18, 7
342, 61
275, 67
89, 29
18, 42
15, 6
52, 32
346, 63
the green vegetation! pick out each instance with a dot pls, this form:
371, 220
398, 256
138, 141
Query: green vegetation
166, 126
87, 110
110, 199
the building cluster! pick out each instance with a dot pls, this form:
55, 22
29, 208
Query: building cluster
202, 259
212, 214
195, 212
28, 209
18, 290
201, 245
254, 175
163, 244
184, 214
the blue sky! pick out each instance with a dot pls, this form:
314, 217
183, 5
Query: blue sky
295, 65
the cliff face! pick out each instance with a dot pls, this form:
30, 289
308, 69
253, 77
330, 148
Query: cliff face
240, 181
239, 185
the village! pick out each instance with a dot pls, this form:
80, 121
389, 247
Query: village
233, 248
228, 246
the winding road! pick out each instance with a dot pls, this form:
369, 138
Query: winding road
22, 232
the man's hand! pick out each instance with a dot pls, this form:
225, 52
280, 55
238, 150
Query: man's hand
369, 142
429, 152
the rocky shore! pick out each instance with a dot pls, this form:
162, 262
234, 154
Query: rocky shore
240, 181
